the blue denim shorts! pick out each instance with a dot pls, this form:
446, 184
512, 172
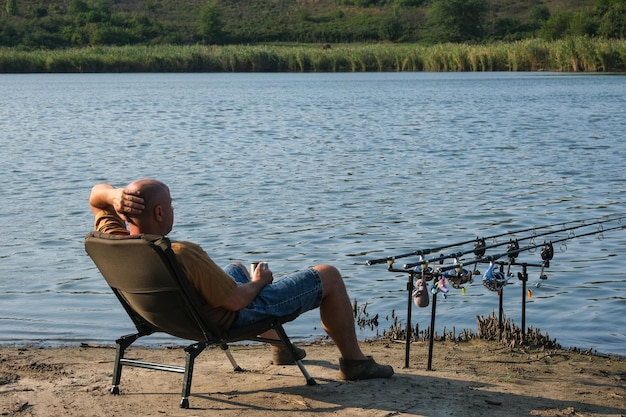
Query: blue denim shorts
295, 293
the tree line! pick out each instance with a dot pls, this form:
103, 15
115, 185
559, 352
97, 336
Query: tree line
96, 23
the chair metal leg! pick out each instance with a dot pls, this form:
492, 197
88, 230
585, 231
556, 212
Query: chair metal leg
122, 344
231, 358
191, 353
287, 342
309, 379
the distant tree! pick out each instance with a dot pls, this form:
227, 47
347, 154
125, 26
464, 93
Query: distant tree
507, 28
539, 13
211, 25
612, 16
537, 16
583, 23
456, 20
557, 26
12, 7
77, 6
390, 29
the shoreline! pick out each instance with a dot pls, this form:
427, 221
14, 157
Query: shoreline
575, 55
320, 341
474, 378
487, 330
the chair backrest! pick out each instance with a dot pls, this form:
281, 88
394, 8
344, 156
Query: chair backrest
143, 273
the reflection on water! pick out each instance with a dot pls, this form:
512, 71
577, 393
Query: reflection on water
299, 169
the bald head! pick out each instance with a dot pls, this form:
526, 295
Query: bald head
152, 191
158, 214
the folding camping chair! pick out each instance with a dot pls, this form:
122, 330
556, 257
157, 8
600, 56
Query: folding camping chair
143, 273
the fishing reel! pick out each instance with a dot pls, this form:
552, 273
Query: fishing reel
422, 269
457, 276
494, 280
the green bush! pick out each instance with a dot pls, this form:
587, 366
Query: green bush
60, 24
390, 29
77, 6
456, 20
556, 27
612, 16
211, 25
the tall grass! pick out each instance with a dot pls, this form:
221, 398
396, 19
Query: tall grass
569, 55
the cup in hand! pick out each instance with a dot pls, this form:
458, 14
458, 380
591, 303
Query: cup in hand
254, 265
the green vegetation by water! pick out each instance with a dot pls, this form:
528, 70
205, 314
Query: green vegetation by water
34, 24
572, 54
312, 36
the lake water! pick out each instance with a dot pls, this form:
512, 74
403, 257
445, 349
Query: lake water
299, 169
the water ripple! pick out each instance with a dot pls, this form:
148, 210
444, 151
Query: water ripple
300, 169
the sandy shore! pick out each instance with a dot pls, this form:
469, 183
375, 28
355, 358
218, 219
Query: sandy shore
475, 378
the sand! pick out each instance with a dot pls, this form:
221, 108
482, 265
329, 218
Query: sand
474, 378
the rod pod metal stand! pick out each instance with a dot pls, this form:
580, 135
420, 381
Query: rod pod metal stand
431, 336
409, 287
409, 330
523, 276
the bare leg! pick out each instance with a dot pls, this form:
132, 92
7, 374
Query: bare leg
338, 321
336, 313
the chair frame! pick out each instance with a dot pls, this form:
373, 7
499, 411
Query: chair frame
208, 334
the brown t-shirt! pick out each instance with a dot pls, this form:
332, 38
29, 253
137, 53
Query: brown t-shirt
212, 283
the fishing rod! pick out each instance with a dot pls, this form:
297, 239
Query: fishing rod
493, 280
480, 247
420, 252
512, 254
423, 252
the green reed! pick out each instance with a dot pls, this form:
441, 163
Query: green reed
568, 55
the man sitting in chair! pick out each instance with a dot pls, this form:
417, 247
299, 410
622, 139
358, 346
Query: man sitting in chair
234, 298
